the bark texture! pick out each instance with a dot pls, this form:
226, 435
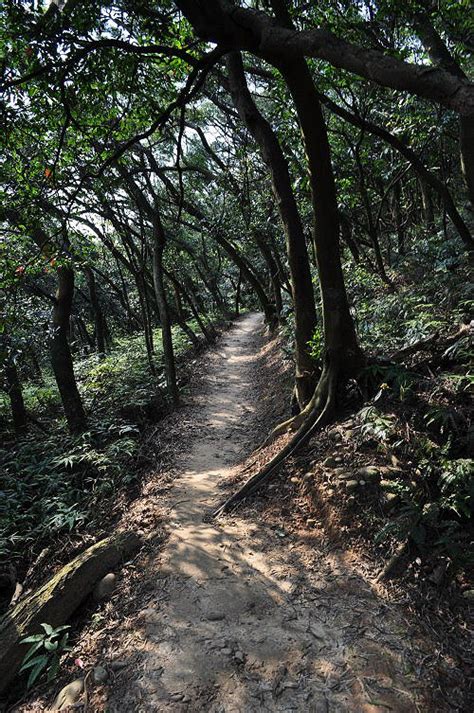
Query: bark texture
301, 283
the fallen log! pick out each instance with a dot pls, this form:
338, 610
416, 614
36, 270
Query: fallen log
56, 600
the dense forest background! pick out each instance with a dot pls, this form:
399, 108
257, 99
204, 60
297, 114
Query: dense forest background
168, 165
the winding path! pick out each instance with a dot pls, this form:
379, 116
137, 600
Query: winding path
244, 617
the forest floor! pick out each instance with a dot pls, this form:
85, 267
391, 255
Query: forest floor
244, 613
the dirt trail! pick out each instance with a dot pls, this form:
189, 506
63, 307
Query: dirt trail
238, 621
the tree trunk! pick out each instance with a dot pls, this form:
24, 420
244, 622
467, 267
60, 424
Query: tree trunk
237, 293
427, 202
342, 351
98, 315
15, 394
56, 600
61, 358
180, 312
273, 269
160, 293
397, 215
302, 287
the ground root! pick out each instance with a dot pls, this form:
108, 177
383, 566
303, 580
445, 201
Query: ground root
318, 414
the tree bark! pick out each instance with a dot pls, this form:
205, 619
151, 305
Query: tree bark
61, 358
302, 287
15, 394
159, 241
98, 315
243, 28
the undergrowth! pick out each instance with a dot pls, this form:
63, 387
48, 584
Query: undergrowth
54, 485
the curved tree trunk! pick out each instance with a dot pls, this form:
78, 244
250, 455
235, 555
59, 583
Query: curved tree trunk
340, 339
301, 283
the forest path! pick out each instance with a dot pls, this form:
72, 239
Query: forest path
238, 620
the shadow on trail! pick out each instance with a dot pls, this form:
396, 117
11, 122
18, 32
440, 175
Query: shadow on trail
243, 617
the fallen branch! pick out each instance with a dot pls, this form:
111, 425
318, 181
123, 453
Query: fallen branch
56, 600
428, 342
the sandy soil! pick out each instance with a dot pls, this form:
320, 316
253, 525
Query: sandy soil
236, 620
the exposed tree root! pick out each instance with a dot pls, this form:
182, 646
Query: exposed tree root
316, 418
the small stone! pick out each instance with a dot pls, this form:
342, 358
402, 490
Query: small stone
361, 482
369, 473
335, 435
117, 665
239, 656
392, 499
100, 674
69, 695
339, 459
469, 594
340, 472
351, 485
329, 462
226, 651
346, 475
294, 480
104, 587
215, 616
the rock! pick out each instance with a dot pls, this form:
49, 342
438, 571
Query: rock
104, 587
226, 651
340, 472
329, 462
351, 485
69, 695
389, 471
117, 665
334, 434
100, 675
215, 616
239, 656
469, 594
294, 480
392, 499
369, 473
362, 482
339, 459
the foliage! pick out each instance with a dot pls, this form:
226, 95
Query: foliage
44, 654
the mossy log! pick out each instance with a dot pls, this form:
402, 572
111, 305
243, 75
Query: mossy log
56, 600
